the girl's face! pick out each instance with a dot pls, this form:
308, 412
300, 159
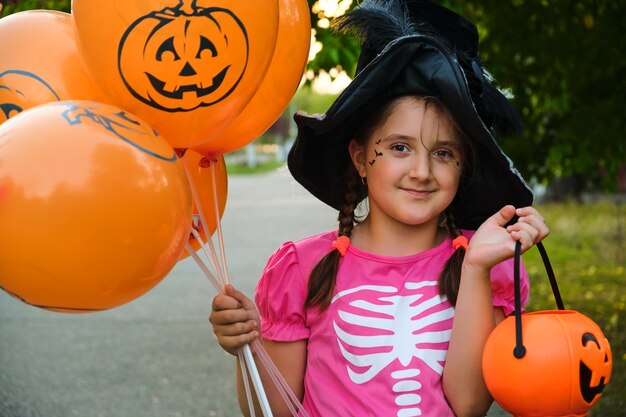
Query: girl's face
412, 163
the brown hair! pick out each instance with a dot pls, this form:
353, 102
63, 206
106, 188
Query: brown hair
450, 277
324, 274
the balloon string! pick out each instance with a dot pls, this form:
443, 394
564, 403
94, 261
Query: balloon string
285, 390
246, 383
218, 222
247, 363
277, 382
194, 191
216, 284
247, 369
256, 381
210, 255
219, 285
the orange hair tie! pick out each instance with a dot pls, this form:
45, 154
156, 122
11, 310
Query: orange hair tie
460, 242
341, 244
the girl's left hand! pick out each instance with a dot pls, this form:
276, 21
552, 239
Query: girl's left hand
493, 242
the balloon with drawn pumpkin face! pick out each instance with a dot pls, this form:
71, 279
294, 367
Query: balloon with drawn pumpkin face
278, 86
187, 58
39, 62
187, 67
566, 366
20, 90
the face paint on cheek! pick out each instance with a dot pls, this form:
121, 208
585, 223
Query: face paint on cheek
377, 154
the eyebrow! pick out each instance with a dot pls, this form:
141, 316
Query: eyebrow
451, 142
394, 137
446, 142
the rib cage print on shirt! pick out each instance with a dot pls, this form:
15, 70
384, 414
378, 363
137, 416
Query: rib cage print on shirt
387, 332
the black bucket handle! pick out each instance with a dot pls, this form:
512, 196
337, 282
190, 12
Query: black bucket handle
520, 349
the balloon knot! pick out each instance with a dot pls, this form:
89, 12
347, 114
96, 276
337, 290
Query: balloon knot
209, 158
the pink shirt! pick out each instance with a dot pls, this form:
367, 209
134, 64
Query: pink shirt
380, 348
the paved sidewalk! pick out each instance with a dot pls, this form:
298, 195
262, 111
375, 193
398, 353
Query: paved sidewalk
156, 356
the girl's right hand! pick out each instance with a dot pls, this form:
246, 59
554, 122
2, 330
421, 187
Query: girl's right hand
235, 320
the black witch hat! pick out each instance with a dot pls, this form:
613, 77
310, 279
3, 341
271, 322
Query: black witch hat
414, 47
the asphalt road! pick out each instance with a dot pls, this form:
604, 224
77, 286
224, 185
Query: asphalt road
155, 356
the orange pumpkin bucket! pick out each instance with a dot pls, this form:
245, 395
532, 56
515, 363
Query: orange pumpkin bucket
546, 363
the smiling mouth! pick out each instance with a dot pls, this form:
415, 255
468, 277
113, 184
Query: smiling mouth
178, 91
418, 193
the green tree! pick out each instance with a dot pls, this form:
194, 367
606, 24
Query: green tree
563, 61
13, 6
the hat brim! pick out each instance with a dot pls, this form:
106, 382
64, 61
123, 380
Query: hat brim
421, 65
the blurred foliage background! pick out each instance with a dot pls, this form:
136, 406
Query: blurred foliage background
563, 62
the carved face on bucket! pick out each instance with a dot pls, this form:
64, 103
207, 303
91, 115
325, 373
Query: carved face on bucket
595, 366
191, 57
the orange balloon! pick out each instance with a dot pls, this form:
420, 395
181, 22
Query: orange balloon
567, 363
39, 62
201, 176
188, 67
279, 85
94, 207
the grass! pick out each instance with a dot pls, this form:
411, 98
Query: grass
586, 248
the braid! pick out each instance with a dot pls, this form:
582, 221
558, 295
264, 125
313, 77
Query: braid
346, 216
450, 277
324, 274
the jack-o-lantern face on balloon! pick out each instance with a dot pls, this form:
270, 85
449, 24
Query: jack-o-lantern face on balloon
21, 90
192, 57
125, 126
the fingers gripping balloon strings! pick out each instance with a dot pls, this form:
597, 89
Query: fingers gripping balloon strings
247, 363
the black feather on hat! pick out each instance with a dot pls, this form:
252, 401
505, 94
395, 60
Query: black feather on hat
414, 47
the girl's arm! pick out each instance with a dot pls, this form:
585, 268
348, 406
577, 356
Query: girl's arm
235, 324
475, 317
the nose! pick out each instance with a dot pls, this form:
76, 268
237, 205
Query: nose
420, 166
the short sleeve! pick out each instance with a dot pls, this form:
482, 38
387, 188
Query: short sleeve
280, 295
502, 288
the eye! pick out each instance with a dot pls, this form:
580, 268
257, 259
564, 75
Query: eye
167, 51
206, 45
443, 153
399, 147
446, 155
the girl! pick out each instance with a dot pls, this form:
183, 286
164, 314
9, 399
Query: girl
389, 314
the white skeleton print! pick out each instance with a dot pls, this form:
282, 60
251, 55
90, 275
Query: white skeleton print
392, 327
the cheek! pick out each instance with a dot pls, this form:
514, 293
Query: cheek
448, 176
383, 169
456, 178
